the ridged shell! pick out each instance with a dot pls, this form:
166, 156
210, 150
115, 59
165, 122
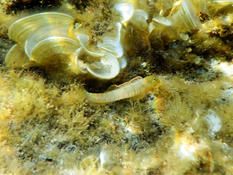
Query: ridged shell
224, 2
76, 65
48, 39
123, 62
125, 10
107, 53
21, 29
45, 32
139, 19
184, 16
54, 49
112, 47
111, 43
107, 68
16, 58
221, 5
84, 39
162, 20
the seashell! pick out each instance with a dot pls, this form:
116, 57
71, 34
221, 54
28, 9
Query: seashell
107, 52
139, 19
107, 68
43, 33
123, 62
135, 36
47, 39
44, 39
162, 20
223, 2
84, 39
23, 28
112, 47
76, 65
112, 42
43, 36
125, 10
54, 50
221, 5
184, 16
16, 58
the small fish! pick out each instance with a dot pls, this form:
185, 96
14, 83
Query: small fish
134, 87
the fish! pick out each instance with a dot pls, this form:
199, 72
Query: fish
133, 88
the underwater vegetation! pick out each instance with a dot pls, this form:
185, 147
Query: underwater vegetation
116, 87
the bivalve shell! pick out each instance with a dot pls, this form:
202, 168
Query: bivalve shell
21, 29
16, 58
125, 9
184, 16
43, 33
107, 68
54, 49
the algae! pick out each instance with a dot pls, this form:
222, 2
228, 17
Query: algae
182, 127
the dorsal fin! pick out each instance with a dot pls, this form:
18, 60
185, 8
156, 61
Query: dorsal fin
114, 86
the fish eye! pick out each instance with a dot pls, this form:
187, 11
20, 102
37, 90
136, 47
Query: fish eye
154, 79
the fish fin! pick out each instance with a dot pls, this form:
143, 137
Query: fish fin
115, 86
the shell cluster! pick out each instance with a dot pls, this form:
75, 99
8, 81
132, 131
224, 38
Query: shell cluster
54, 38
47, 39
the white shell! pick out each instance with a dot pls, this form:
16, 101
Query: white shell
45, 38
54, 49
162, 20
108, 51
186, 17
83, 39
76, 64
16, 58
123, 62
221, 4
139, 18
125, 9
107, 68
48, 39
112, 47
43, 33
224, 2
21, 29
112, 42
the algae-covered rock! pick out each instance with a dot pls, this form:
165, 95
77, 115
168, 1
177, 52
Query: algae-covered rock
183, 125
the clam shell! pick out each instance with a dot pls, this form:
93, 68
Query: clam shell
186, 17
224, 2
43, 33
125, 10
139, 19
84, 39
54, 49
76, 65
16, 58
221, 5
112, 42
21, 29
107, 68
123, 62
162, 20
189, 11
112, 47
